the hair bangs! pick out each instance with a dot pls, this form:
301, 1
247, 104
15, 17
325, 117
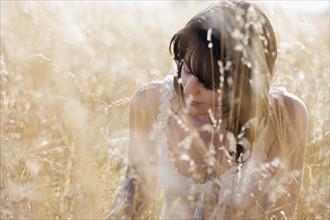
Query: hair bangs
205, 67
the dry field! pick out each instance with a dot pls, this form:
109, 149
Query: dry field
67, 73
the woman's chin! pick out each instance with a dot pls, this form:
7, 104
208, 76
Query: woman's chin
196, 112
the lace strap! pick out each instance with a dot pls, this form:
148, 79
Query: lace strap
277, 91
165, 97
167, 93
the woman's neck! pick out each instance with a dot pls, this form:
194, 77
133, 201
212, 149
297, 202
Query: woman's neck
215, 122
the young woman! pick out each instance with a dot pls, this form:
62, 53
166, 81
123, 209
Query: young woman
213, 137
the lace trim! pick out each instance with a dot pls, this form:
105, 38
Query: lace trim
166, 96
277, 91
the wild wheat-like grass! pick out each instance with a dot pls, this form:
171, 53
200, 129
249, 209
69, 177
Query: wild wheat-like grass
68, 70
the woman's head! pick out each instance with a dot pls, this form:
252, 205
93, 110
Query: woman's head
232, 32
230, 49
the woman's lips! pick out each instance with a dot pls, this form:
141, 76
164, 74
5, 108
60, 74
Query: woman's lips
190, 101
194, 103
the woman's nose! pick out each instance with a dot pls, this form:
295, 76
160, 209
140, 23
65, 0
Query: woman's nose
192, 86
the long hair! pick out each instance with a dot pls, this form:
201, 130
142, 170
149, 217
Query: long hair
231, 48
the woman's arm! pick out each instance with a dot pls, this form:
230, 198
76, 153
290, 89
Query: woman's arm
286, 156
140, 184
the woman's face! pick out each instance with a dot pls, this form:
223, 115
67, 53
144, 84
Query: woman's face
197, 98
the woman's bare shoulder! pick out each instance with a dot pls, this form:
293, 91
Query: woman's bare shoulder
296, 108
290, 105
147, 94
289, 126
145, 102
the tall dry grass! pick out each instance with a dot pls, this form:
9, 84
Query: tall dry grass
67, 72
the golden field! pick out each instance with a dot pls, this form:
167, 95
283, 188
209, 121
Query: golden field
68, 70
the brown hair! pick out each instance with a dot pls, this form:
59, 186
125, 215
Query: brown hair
230, 47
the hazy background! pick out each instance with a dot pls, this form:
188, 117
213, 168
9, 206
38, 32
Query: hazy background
69, 68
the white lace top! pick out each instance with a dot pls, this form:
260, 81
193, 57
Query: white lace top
184, 197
